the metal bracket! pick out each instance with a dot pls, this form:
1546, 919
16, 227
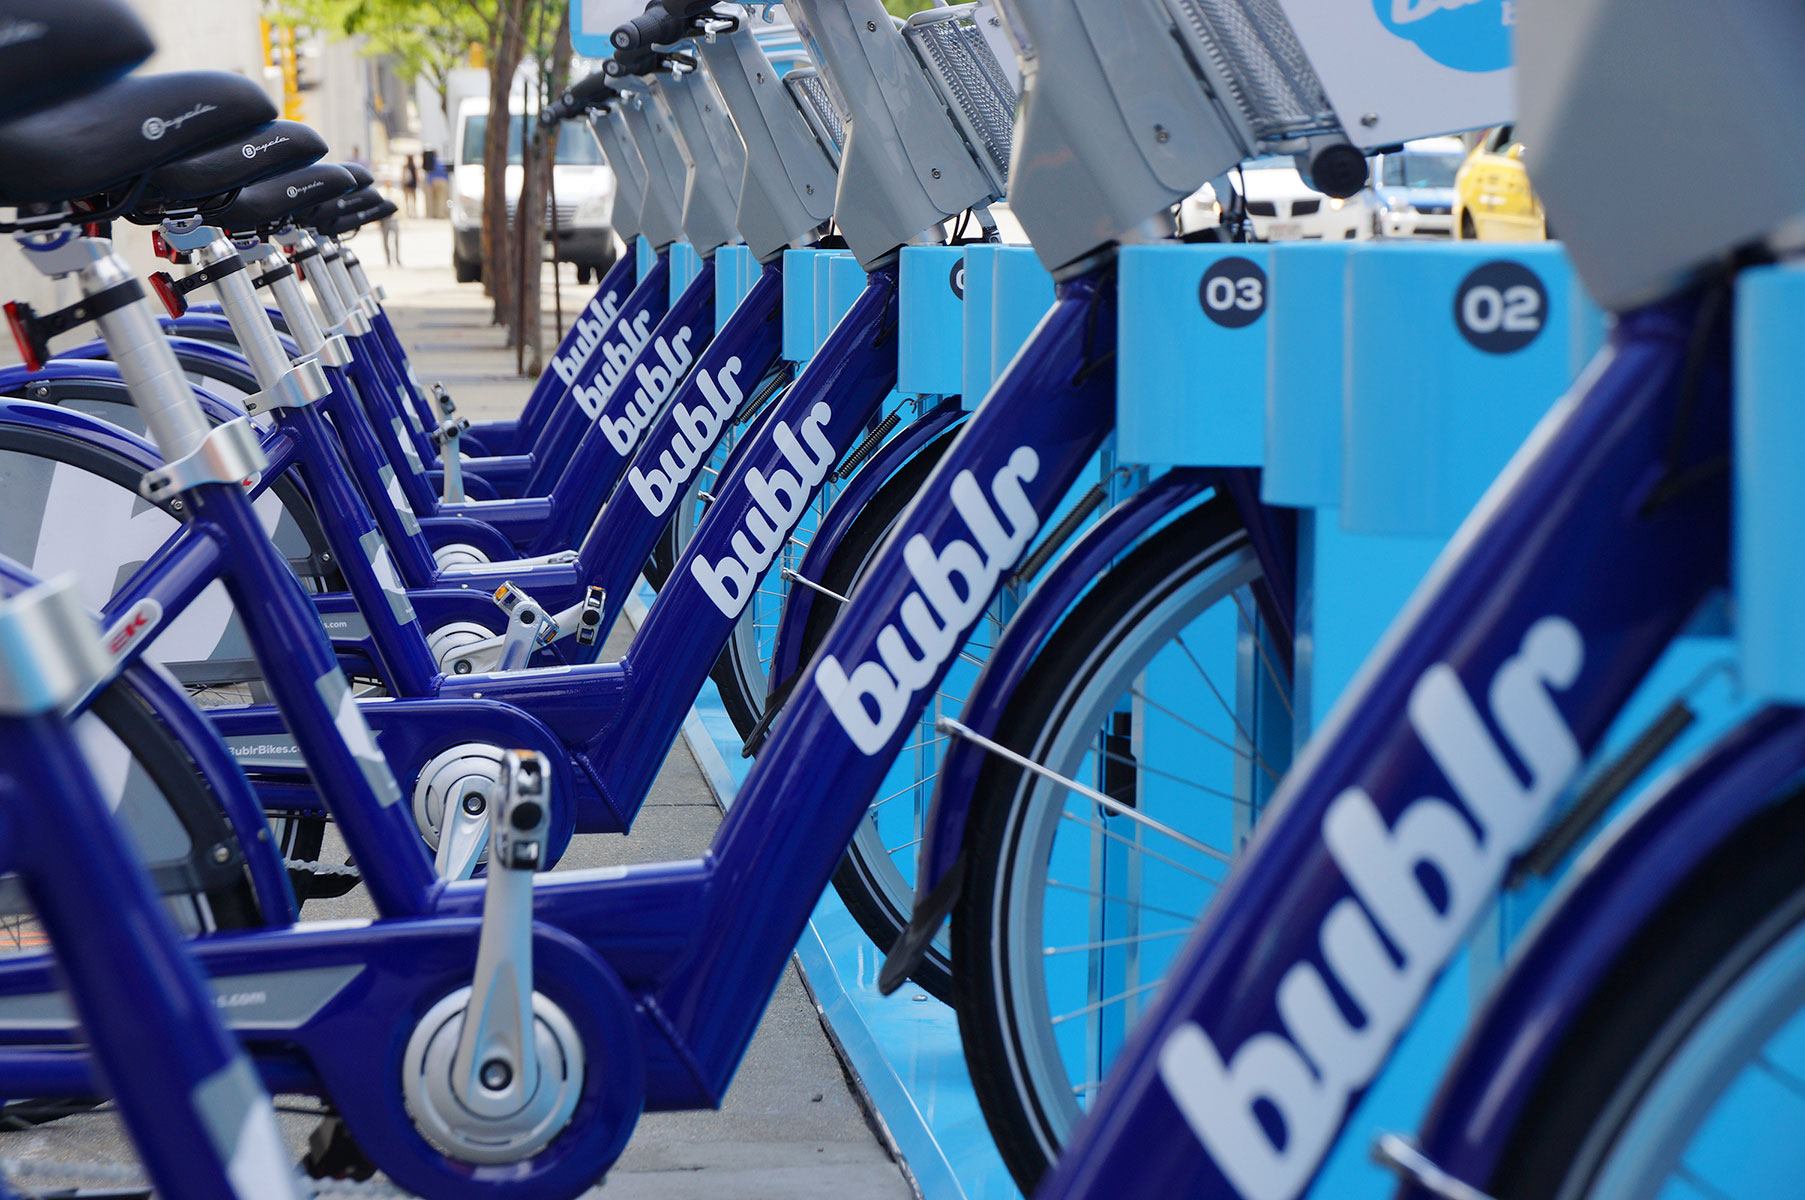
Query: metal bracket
230, 453
355, 324
335, 351
50, 650
300, 385
1403, 1159
1110, 804
451, 458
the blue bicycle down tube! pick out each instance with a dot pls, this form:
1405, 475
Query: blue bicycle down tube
1410, 782
620, 417
776, 471
680, 441
758, 503
846, 720
187, 1086
568, 420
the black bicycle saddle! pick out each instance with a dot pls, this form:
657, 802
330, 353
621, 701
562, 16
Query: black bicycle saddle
267, 151
53, 50
340, 225
110, 138
270, 204
362, 200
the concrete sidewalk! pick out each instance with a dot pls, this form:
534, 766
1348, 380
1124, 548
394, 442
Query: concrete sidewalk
793, 1126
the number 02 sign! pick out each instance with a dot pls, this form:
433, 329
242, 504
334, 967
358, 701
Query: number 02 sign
1501, 307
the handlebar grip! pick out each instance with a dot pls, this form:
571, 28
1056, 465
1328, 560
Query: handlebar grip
654, 27
636, 62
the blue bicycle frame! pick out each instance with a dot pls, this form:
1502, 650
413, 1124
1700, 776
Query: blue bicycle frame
685, 953
1398, 823
202, 1124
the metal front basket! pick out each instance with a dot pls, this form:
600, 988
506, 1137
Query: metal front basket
818, 109
1249, 47
971, 83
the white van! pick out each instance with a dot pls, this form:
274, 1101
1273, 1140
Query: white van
582, 186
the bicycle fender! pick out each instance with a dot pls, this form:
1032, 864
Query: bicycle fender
1642, 860
938, 872
101, 380
865, 484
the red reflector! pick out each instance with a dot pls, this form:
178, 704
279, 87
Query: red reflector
164, 286
18, 317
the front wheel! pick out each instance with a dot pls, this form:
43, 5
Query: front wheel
1159, 712
1686, 1076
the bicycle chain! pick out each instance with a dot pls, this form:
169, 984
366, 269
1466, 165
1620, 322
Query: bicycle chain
111, 1174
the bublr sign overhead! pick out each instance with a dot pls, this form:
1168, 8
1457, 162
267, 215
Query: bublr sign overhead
1465, 35
1401, 69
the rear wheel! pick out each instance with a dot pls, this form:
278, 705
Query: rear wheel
1161, 691
1686, 1077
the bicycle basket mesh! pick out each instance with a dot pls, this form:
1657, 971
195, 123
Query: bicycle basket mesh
810, 92
972, 84
1253, 48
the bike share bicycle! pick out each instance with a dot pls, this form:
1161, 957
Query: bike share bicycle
460, 766
1637, 1045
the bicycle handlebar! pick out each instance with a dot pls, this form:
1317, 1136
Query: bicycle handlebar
590, 92
654, 27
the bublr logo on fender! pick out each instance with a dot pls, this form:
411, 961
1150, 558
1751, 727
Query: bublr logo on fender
1465, 35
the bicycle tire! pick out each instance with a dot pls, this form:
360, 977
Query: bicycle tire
1118, 619
1669, 979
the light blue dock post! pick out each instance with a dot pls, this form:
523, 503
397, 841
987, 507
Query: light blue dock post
1191, 387
1021, 294
1768, 567
686, 264
931, 321
643, 256
800, 283
735, 272
979, 282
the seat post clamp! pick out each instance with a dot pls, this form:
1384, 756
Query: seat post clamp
50, 650
230, 453
334, 352
300, 385
355, 324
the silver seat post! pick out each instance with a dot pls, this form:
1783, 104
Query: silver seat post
135, 341
304, 250
332, 256
283, 384
212, 250
287, 293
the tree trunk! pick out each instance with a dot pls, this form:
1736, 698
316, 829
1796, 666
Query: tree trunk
530, 338
498, 261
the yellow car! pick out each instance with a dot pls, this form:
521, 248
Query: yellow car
1493, 200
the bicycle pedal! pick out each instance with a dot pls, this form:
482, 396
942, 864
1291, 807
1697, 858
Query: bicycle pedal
332, 1153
